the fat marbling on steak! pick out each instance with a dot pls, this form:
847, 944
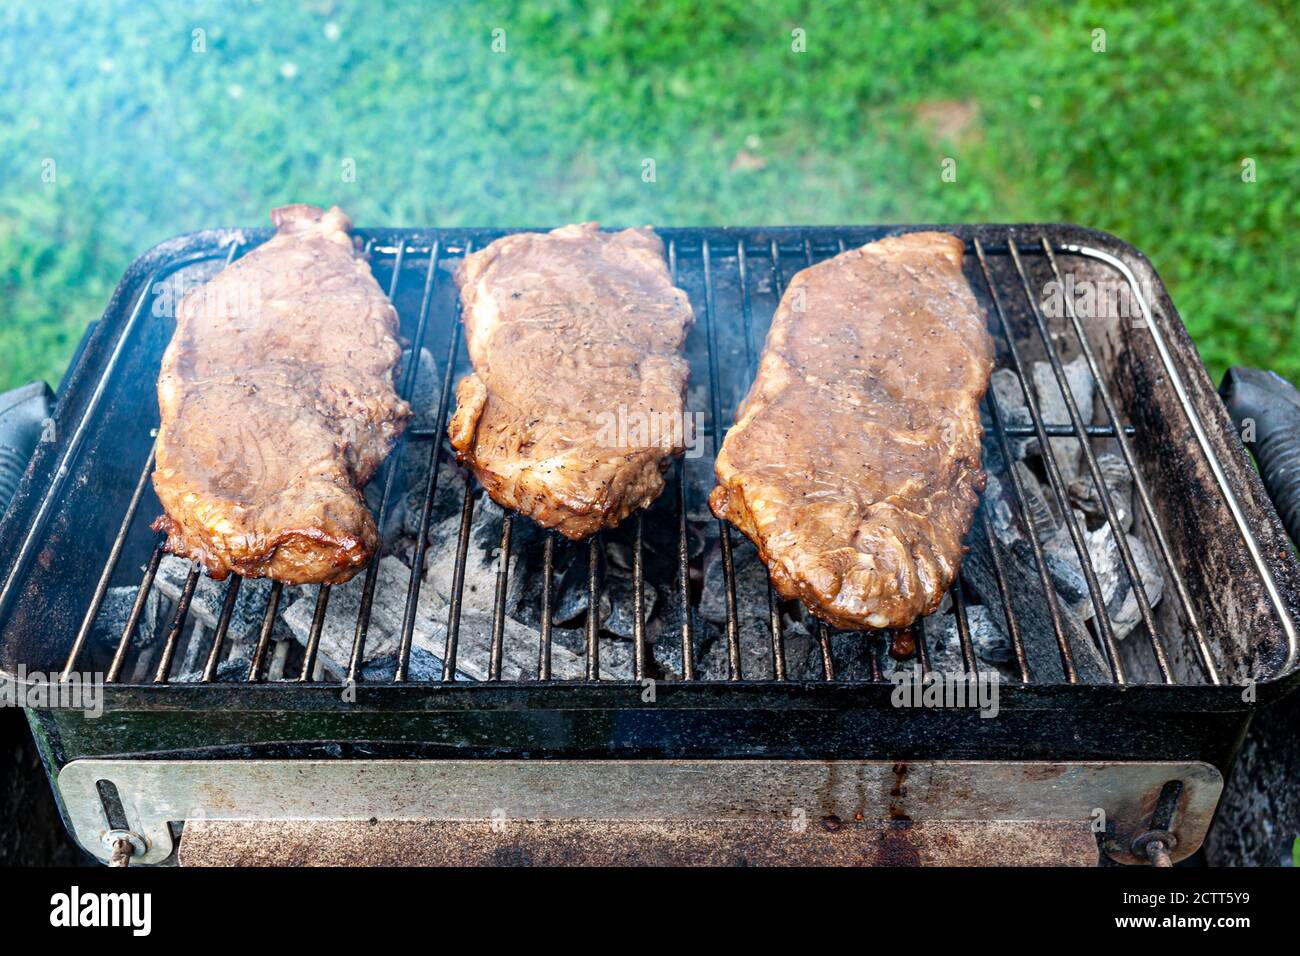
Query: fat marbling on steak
278, 406
854, 463
576, 400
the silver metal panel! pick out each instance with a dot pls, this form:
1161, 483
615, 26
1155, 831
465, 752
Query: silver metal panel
1117, 797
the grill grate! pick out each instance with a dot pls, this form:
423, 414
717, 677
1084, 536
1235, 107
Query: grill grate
430, 265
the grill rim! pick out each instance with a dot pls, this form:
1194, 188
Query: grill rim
97, 361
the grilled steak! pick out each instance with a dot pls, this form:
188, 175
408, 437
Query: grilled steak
576, 401
854, 463
277, 407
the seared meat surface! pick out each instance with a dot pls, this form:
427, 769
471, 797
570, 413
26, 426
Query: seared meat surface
854, 463
576, 401
278, 406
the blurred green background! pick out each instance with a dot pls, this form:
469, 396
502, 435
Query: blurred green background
120, 125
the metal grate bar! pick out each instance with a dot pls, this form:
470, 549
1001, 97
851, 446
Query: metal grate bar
684, 577
638, 599
499, 601
268, 627
1103, 493
313, 636
223, 626
724, 528
922, 651
1101, 618
426, 510
824, 644
177, 624
1139, 483
357, 658
683, 539
548, 612
594, 547
963, 629
751, 362
1004, 594
457, 592
1068, 431
141, 596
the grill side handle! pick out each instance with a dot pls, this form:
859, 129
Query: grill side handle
24, 421
1266, 410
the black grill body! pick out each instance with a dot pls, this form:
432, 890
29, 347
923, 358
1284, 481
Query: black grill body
1223, 645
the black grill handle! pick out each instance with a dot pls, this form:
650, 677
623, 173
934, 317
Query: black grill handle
1266, 410
24, 418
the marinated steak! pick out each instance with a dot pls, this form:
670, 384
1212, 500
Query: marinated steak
854, 463
278, 406
576, 400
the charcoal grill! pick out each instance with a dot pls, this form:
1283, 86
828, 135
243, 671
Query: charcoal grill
1129, 751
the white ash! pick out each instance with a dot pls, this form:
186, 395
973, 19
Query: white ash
1118, 481
482, 560
753, 617
1042, 509
713, 659
383, 634
569, 656
942, 645
1006, 391
408, 494
1112, 576
620, 593
426, 390
988, 634
1067, 574
1040, 506
618, 604
210, 595
338, 631
1052, 408
998, 511
233, 669
1037, 627
429, 635
751, 580
106, 632
570, 595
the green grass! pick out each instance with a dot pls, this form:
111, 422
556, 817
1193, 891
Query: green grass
150, 138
